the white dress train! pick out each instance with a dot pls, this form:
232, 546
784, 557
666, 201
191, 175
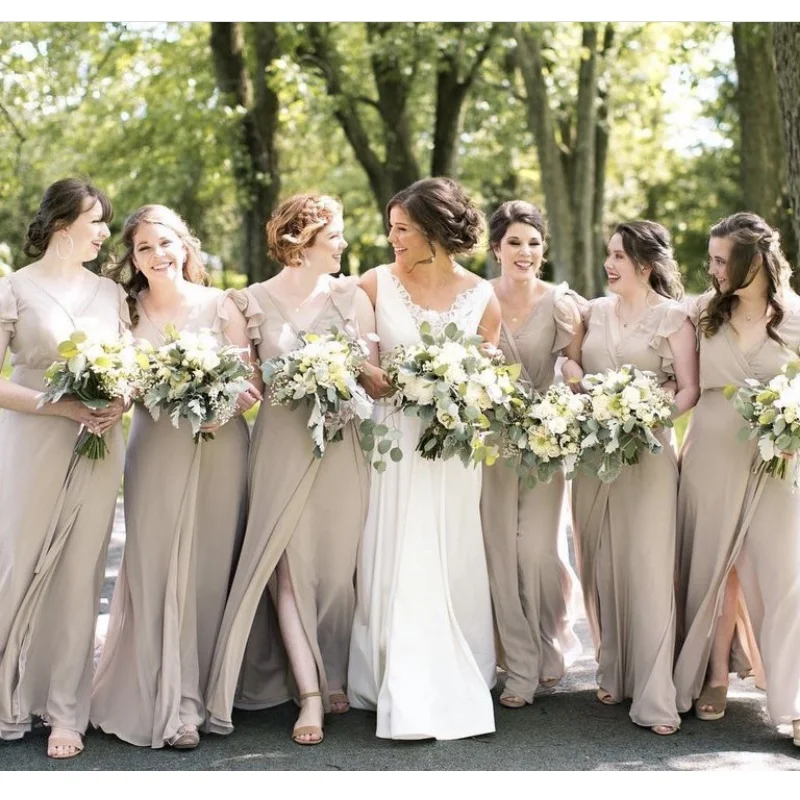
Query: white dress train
422, 648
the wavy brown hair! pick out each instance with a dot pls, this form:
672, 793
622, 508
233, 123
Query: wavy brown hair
648, 244
62, 203
444, 213
295, 223
754, 246
123, 270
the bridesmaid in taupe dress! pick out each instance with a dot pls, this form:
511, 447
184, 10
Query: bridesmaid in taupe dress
306, 514
531, 584
185, 506
625, 530
731, 522
56, 509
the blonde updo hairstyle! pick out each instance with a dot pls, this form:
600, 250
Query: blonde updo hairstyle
124, 270
295, 223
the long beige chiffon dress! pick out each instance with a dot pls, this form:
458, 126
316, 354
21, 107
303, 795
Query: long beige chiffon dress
185, 509
729, 517
56, 513
625, 531
307, 509
531, 582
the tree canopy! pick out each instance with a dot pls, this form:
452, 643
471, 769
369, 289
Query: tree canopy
597, 122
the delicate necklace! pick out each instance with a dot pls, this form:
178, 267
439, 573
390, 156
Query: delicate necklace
618, 310
749, 317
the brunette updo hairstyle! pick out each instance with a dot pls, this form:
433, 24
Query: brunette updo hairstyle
754, 244
648, 244
511, 212
443, 212
295, 223
124, 271
63, 202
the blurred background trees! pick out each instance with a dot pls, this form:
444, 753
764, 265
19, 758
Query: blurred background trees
597, 122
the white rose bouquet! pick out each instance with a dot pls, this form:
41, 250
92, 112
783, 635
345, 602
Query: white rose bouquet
545, 434
625, 407
323, 373
195, 378
462, 396
772, 413
96, 371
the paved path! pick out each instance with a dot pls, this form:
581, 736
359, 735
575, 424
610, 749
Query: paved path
568, 730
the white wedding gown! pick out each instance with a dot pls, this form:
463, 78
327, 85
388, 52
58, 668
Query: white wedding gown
422, 648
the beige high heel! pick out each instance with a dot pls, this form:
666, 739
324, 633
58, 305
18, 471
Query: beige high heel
307, 730
796, 732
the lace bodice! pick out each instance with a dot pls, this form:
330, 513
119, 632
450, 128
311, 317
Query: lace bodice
398, 317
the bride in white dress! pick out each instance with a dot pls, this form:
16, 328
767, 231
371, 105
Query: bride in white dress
422, 648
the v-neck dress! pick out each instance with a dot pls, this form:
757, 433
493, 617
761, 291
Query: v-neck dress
727, 517
310, 511
185, 508
530, 578
625, 531
56, 514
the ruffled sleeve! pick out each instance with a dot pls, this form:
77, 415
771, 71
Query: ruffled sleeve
125, 323
244, 300
567, 314
8, 306
668, 324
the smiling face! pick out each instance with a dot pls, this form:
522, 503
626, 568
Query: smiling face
158, 252
88, 232
719, 253
324, 255
409, 243
623, 275
521, 251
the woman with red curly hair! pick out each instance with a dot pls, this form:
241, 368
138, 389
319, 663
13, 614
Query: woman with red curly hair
306, 514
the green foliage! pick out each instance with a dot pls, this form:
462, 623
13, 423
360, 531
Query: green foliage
136, 106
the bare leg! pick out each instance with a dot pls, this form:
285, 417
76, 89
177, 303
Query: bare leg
719, 663
301, 658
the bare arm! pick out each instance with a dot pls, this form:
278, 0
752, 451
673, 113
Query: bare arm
489, 326
372, 377
365, 321
236, 331
684, 351
572, 369
20, 398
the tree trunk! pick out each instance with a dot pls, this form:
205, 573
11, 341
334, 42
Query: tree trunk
602, 135
451, 92
762, 149
255, 164
554, 179
583, 197
786, 36
393, 90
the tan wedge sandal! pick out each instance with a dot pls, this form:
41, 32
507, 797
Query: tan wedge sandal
307, 730
716, 697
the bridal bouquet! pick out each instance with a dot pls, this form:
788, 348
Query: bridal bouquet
545, 434
96, 371
772, 413
195, 378
462, 396
323, 373
625, 407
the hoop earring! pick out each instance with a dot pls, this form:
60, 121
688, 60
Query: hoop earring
71, 248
